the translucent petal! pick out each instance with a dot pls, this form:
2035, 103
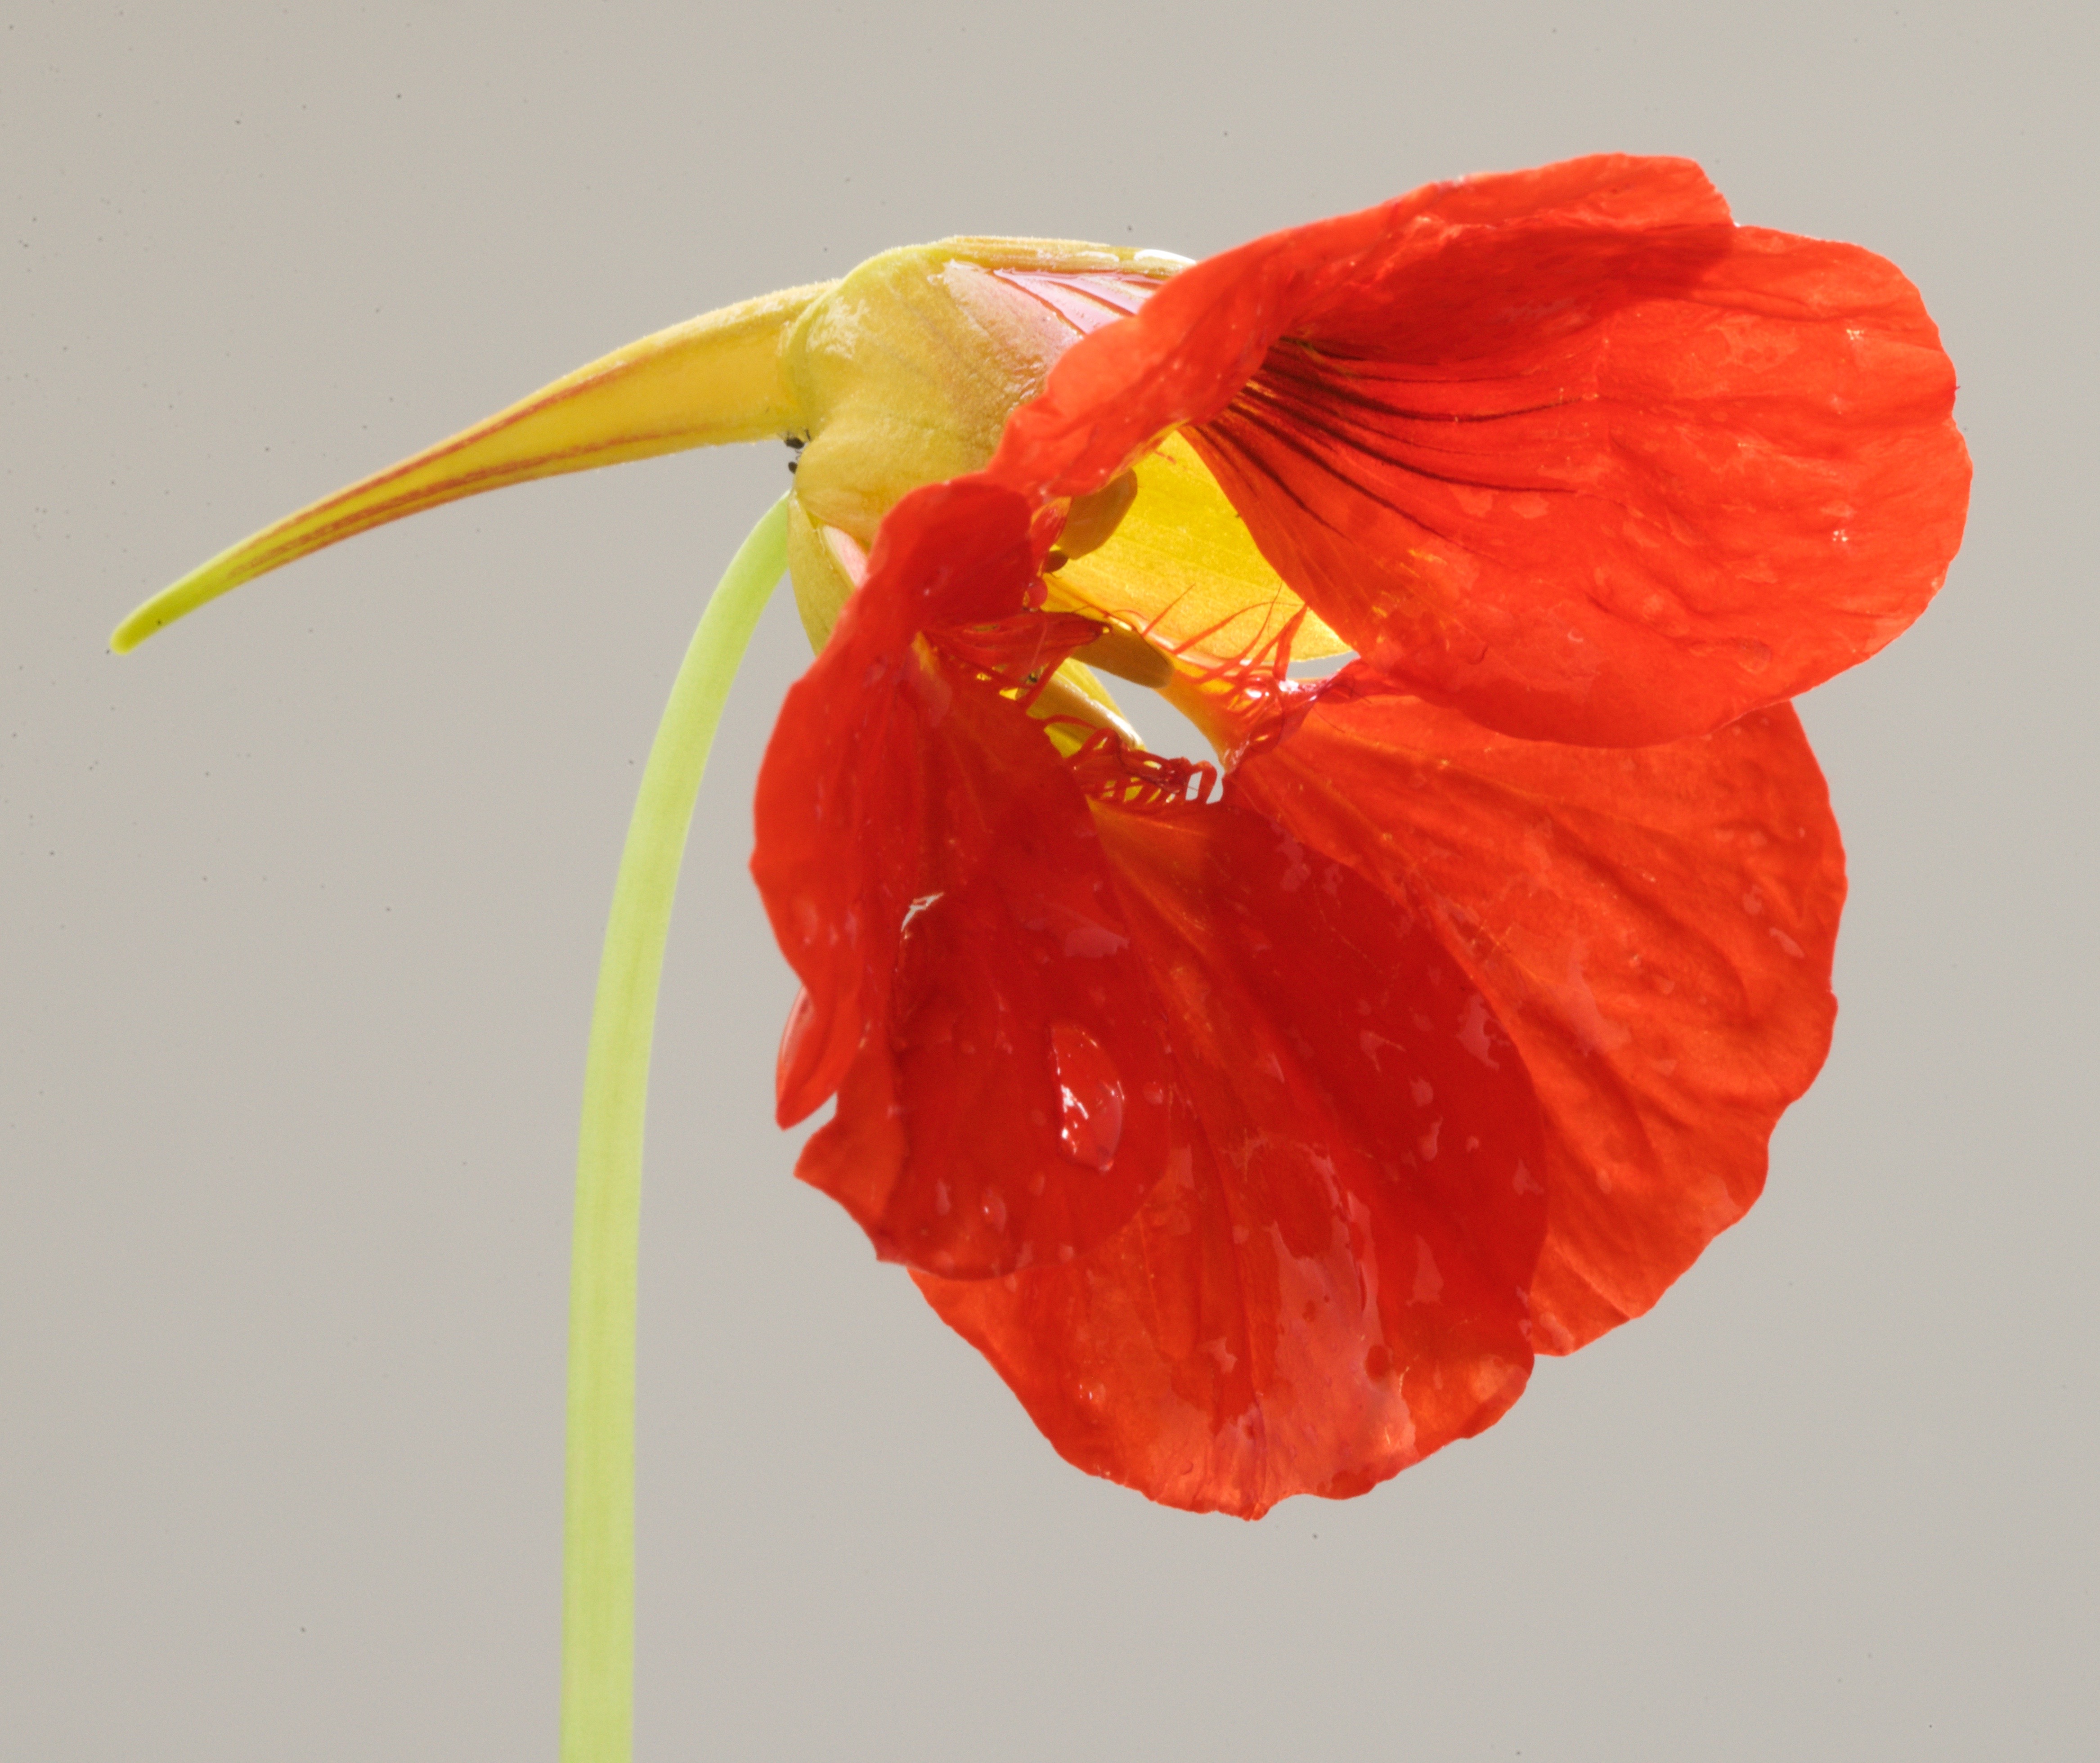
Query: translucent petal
1654, 927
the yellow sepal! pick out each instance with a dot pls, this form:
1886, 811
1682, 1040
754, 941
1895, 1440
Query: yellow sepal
714, 379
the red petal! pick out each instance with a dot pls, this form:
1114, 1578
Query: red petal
1010, 1107
1653, 926
933, 872
841, 805
1563, 448
1327, 1284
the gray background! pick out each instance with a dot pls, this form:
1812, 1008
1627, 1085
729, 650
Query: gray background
302, 905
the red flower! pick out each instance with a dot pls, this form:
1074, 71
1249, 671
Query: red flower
1259, 1132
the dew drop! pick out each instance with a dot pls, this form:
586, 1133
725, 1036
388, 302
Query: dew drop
1089, 1096
794, 1039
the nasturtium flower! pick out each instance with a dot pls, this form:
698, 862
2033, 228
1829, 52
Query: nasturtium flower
1260, 1119
1260, 1130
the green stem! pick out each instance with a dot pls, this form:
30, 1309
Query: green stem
597, 1531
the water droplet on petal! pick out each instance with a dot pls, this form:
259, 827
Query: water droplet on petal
1089, 1096
802, 1017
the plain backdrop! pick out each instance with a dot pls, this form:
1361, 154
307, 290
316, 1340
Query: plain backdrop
302, 906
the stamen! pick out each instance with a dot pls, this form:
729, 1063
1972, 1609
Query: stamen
1122, 650
1091, 520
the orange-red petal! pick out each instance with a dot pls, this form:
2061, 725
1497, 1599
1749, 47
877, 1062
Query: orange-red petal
932, 869
1653, 926
1564, 449
1010, 1104
1327, 1283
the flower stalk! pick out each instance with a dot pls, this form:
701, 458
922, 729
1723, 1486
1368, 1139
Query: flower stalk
598, 1543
